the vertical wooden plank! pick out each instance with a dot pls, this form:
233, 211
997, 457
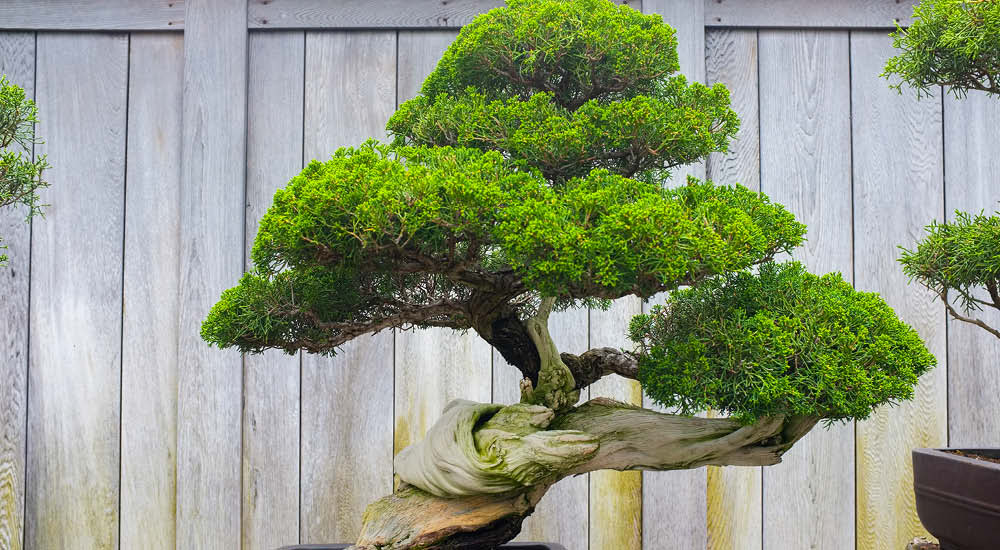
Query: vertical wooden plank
17, 62
673, 503
615, 497
562, 516
733, 500
151, 284
433, 366
271, 380
347, 401
212, 216
897, 190
76, 299
805, 158
972, 170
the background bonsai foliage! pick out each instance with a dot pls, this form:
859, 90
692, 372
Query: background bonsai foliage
20, 177
951, 43
955, 44
530, 175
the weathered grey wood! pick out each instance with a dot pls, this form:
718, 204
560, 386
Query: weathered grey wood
673, 503
151, 284
212, 217
562, 514
805, 157
897, 190
359, 14
271, 380
615, 497
81, 15
842, 14
731, 59
972, 170
76, 298
347, 401
17, 62
432, 366
733, 499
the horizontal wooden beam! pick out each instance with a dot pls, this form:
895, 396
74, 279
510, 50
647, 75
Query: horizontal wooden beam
812, 14
148, 15
91, 15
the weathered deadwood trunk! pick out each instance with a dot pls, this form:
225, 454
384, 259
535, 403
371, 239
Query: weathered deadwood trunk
482, 468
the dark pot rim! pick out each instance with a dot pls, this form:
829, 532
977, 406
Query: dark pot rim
973, 462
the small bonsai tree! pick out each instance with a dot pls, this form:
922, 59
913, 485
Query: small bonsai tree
20, 176
528, 176
954, 44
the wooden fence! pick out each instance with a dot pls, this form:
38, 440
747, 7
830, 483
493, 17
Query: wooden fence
120, 428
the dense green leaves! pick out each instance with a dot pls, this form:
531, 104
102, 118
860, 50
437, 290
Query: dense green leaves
411, 235
577, 50
20, 176
783, 341
951, 43
960, 256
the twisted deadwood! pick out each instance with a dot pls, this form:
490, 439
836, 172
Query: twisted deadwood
482, 468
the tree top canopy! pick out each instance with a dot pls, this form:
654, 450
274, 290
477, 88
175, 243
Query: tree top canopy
951, 43
379, 237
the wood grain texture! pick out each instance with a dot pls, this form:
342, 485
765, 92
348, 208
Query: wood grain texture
151, 284
562, 515
731, 59
271, 389
432, 366
842, 14
81, 15
76, 300
17, 62
805, 144
347, 401
972, 170
673, 503
897, 190
615, 497
212, 224
360, 14
733, 499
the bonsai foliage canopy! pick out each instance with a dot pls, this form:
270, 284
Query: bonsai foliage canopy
955, 44
529, 175
20, 176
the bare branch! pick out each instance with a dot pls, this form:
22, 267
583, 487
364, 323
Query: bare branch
594, 364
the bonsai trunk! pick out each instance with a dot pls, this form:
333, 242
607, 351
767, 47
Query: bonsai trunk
482, 468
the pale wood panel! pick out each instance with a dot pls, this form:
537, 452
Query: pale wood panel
562, 514
733, 499
151, 284
731, 59
808, 13
271, 379
673, 503
76, 299
347, 401
433, 366
805, 143
897, 190
78, 15
17, 62
212, 217
972, 170
615, 497
361, 14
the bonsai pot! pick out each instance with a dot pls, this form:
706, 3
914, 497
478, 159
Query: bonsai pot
958, 497
508, 546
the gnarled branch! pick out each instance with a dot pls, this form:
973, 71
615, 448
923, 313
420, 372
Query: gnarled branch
594, 364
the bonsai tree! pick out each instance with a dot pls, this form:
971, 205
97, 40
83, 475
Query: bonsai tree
20, 176
528, 176
954, 44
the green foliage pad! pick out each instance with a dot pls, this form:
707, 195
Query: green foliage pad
781, 342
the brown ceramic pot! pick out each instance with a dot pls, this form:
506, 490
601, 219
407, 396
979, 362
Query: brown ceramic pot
958, 497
